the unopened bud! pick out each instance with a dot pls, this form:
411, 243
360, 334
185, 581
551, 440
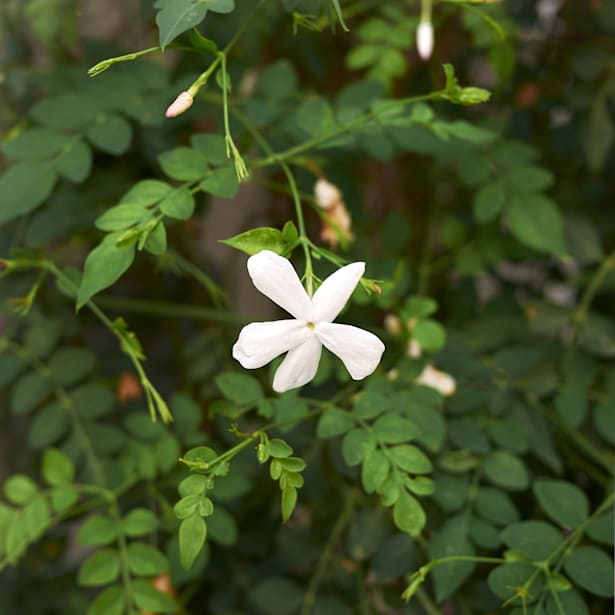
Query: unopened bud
443, 383
327, 194
392, 324
414, 349
182, 103
424, 39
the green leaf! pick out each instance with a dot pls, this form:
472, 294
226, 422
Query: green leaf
356, 444
111, 134
528, 178
489, 202
536, 538
374, 470
221, 183
506, 470
146, 192
506, 579
450, 539
177, 16
192, 533
239, 388
121, 217
536, 222
394, 429
562, 501
149, 598
24, 187
255, 240
58, 468
145, 560
601, 528
49, 425
97, 531
592, 569
156, 242
277, 596
198, 41
63, 497
484, 534
140, 521
496, 506
35, 144
28, 392
111, 601
35, 517
183, 164
597, 335
430, 334
370, 405
408, 514
279, 448
100, 568
315, 116
410, 458
103, 267
92, 400
75, 162
66, 112
221, 527
213, 147
334, 422
289, 501
278, 80
69, 365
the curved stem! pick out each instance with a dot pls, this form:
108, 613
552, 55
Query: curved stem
340, 525
581, 312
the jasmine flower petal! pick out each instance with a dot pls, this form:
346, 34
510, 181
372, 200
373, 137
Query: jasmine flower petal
359, 350
261, 342
299, 365
276, 278
335, 291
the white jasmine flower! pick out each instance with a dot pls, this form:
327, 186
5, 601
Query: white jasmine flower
424, 39
311, 328
441, 381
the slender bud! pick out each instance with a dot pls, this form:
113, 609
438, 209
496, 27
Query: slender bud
441, 381
327, 194
182, 103
424, 39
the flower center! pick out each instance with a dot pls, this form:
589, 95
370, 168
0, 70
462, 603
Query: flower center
311, 325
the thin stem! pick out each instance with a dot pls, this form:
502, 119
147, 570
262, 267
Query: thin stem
591, 449
67, 405
338, 528
336, 132
168, 308
427, 603
581, 312
125, 338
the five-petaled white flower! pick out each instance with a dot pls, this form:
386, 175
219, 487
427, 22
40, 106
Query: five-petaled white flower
312, 327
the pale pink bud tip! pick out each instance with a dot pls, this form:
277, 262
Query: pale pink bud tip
424, 39
327, 194
182, 103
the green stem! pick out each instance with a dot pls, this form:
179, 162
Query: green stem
427, 603
155, 400
168, 308
338, 528
591, 449
336, 132
67, 405
607, 265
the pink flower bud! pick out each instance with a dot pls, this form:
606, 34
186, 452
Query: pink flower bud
182, 103
424, 39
